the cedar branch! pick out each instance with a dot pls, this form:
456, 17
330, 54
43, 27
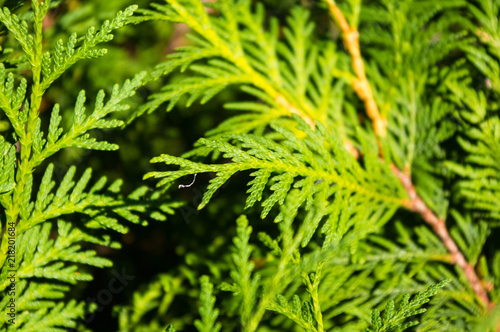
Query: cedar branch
362, 88
416, 204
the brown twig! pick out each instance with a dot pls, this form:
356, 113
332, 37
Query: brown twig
416, 204
360, 83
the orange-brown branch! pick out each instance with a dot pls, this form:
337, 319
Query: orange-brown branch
416, 204
360, 83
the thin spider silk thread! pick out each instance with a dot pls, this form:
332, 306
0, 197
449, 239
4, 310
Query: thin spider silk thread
188, 185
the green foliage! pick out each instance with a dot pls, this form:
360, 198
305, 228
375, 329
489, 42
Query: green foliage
322, 166
298, 70
326, 269
207, 312
479, 172
480, 141
392, 317
50, 223
332, 234
157, 297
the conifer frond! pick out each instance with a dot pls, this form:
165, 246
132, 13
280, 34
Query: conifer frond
46, 316
77, 135
486, 12
58, 261
207, 312
401, 74
480, 184
298, 311
48, 259
406, 266
7, 165
55, 259
19, 30
342, 283
245, 284
57, 61
38, 296
318, 166
483, 23
255, 295
12, 99
104, 206
157, 297
41, 305
54, 63
291, 76
143, 303
393, 318
470, 236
